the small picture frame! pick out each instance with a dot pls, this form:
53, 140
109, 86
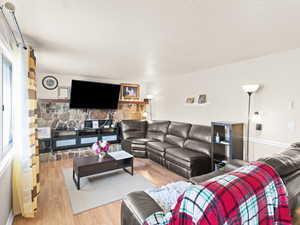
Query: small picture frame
190, 100
202, 99
63, 93
130, 91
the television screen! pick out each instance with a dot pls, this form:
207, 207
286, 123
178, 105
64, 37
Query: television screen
92, 95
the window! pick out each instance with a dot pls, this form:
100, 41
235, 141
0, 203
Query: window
6, 103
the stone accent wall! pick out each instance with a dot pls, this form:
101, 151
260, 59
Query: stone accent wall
58, 114
32, 102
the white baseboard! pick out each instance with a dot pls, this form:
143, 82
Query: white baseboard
267, 142
10, 219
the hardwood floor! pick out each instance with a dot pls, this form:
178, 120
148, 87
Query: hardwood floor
54, 205
55, 209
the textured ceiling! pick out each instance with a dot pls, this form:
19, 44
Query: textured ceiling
148, 39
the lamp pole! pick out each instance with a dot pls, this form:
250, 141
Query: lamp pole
249, 89
248, 126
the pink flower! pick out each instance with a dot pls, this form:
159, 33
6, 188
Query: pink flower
99, 147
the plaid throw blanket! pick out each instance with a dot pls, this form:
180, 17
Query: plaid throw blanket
253, 194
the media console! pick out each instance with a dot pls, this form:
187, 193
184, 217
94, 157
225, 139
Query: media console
68, 139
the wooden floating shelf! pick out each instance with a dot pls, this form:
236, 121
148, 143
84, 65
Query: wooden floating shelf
54, 100
120, 102
133, 102
196, 104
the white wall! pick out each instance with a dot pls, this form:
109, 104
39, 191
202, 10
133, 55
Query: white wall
65, 81
5, 193
280, 76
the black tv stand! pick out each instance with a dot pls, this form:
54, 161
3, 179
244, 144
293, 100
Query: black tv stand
63, 139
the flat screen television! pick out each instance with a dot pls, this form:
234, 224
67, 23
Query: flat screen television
93, 95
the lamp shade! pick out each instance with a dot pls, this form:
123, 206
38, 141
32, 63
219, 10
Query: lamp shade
9, 6
149, 97
250, 88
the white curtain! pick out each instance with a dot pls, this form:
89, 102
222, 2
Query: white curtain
22, 167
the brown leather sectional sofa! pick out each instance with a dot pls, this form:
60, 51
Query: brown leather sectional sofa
181, 147
137, 206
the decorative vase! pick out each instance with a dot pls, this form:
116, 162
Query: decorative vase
101, 156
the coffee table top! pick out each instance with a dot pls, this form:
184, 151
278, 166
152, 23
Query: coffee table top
92, 160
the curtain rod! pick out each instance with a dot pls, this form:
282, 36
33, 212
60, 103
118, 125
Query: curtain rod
9, 27
11, 8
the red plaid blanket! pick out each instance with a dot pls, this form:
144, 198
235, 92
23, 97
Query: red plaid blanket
254, 194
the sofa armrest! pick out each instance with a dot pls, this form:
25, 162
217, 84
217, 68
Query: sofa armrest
126, 145
295, 145
137, 207
234, 164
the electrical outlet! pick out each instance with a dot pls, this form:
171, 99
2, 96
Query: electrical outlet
292, 125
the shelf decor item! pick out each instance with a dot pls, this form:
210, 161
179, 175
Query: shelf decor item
50, 82
130, 91
249, 89
190, 100
101, 148
202, 99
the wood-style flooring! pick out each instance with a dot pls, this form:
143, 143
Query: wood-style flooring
54, 207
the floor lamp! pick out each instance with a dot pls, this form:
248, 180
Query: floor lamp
249, 89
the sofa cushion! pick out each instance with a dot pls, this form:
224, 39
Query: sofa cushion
133, 128
179, 129
159, 136
284, 163
189, 163
185, 154
177, 133
187, 158
157, 129
158, 126
174, 140
141, 141
198, 146
200, 133
159, 146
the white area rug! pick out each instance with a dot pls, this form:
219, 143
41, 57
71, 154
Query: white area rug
102, 189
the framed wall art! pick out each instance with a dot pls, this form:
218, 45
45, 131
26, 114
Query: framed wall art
50, 82
130, 91
63, 93
202, 99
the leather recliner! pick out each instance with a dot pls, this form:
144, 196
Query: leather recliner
175, 137
136, 134
181, 147
193, 158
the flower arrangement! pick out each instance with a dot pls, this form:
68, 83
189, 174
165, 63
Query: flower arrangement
100, 147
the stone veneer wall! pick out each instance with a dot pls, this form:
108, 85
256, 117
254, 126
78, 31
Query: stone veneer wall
58, 114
